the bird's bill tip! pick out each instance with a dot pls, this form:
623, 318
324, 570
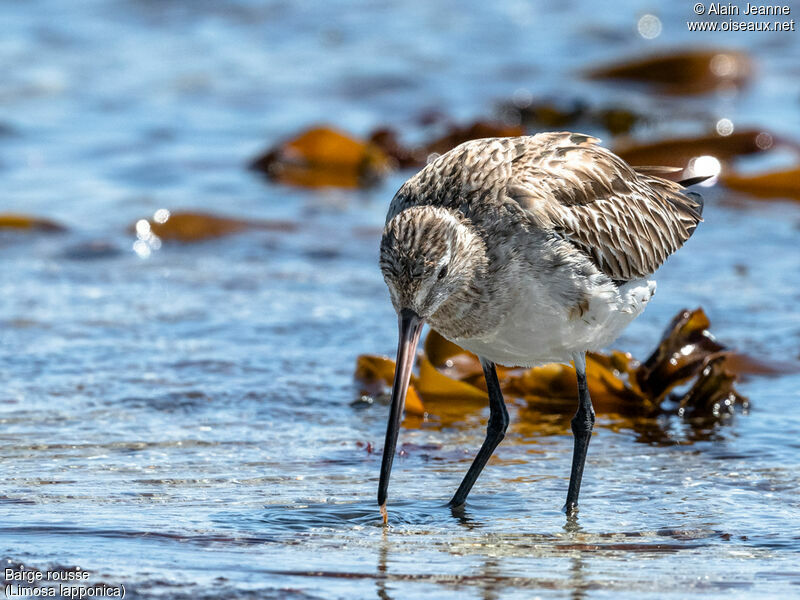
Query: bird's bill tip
384, 514
410, 326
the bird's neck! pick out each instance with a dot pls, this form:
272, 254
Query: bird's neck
473, 310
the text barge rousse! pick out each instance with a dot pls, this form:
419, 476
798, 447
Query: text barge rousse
717, 8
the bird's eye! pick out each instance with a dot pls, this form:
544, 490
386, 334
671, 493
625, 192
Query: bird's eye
442, 273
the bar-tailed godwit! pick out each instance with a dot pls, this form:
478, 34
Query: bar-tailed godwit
526, 251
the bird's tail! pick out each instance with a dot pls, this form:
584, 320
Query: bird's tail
694, 195
694, 180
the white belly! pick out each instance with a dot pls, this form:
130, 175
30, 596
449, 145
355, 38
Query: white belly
539, 330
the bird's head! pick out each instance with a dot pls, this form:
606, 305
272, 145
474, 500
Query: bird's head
428, 254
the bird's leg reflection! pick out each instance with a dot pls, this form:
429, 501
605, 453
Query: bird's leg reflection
489, 576
383, 559
463, 516
578, 580
572, 525
460, 514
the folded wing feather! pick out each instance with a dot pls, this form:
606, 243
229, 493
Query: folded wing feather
628, 222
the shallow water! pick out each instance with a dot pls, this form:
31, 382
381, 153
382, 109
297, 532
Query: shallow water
183, 424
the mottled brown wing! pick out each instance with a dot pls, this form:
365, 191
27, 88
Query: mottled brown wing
628, 222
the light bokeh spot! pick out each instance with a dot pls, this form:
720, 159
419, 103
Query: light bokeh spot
649, 27
725, 127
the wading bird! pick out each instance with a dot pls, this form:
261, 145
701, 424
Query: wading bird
526, 251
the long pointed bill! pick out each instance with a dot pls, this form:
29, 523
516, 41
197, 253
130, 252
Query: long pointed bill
410, 325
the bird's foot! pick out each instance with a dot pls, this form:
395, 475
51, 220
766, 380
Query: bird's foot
570, 509
456, 504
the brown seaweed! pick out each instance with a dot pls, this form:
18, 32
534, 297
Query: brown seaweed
403, 157
416, 156
374, 375
679, 356
19, 222
547, 115
679, 151
479, 129
713, 394
451, 378
323, 157
776, 184
682, 71
188, 227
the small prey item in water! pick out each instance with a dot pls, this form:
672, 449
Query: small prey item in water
526, 251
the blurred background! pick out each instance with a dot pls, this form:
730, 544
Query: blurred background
191, 201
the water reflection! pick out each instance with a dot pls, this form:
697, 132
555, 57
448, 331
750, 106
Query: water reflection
464, 518
489, 577
383, 569
577, 578
572, 525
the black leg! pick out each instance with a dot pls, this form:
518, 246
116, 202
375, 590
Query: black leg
495, 432
582, 424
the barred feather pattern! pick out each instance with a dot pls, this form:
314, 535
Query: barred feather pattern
626, 221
